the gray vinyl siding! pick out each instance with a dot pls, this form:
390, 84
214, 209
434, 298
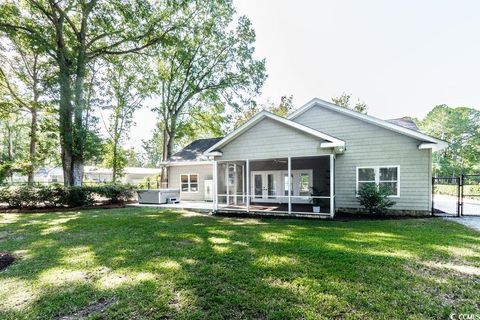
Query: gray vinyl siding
204, 171
271, 139
370, 145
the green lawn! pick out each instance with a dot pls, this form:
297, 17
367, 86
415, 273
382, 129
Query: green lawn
151, 264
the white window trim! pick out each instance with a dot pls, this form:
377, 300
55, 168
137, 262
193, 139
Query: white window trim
189, 182
377, 177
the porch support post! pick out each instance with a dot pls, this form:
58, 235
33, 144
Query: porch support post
247, 174
332, 185
227, 181
289, 185
215, 186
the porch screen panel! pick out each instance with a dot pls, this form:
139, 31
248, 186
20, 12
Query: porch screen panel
221, 183
310, 185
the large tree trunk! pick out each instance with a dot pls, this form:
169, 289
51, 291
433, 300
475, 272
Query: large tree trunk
165, 156
80, 103
33, 146
66, 128
65, 105
33, 123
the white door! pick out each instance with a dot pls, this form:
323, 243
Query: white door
265, 186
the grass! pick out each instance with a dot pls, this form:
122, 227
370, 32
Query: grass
151, 264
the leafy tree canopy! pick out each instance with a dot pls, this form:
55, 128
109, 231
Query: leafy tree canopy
344, 101
460, 127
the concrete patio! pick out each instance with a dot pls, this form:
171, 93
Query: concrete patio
200, 206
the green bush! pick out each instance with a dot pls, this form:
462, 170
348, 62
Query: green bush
78, 196
58, 195
52, 195
115, 193
374, 199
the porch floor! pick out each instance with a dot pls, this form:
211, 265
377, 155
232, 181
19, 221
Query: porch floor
267, 208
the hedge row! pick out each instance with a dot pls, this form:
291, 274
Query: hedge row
58, 195
452, 190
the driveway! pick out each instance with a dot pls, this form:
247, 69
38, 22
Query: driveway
471, 222
448, 204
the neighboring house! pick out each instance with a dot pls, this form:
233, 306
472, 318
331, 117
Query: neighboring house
272, 164
134, 175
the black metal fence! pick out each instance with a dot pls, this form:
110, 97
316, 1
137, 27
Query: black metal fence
456, 196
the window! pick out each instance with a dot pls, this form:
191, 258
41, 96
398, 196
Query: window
382, 177
304, 188
189, 182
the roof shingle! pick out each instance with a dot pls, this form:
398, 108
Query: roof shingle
406, 122
194, 151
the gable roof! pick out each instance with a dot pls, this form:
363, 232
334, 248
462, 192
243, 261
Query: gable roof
194, 151
431, 141
331, 141
406, 122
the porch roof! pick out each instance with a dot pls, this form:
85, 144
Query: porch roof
329, 141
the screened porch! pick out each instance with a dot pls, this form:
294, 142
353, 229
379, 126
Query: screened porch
291, 185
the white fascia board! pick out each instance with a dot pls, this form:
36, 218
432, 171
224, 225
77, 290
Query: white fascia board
366, 118
433, 146
185, 163
265, 114
332, 144
214, 154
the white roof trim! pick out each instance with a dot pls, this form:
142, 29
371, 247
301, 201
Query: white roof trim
265, 114
433, 146
185, 163
332, 144
379, 122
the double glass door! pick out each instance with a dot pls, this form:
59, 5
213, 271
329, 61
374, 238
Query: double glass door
264, 186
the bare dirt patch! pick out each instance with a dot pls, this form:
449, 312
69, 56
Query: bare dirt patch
96, 307
6, 259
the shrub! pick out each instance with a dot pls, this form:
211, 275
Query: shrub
374, 199
115, 193
52, 195
78, 196
58, 195
19, 196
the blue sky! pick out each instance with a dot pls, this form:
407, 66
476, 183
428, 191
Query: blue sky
401, 57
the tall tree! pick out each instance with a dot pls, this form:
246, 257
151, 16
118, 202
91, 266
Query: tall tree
127, 89
74, 34
23, 74
461, 128
209, 64
344, 101
153, 148
282, 109
13, 142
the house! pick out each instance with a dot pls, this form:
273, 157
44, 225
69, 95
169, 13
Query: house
133, 175
272, 164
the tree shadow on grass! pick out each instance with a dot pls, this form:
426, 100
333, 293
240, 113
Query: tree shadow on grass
177, 265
